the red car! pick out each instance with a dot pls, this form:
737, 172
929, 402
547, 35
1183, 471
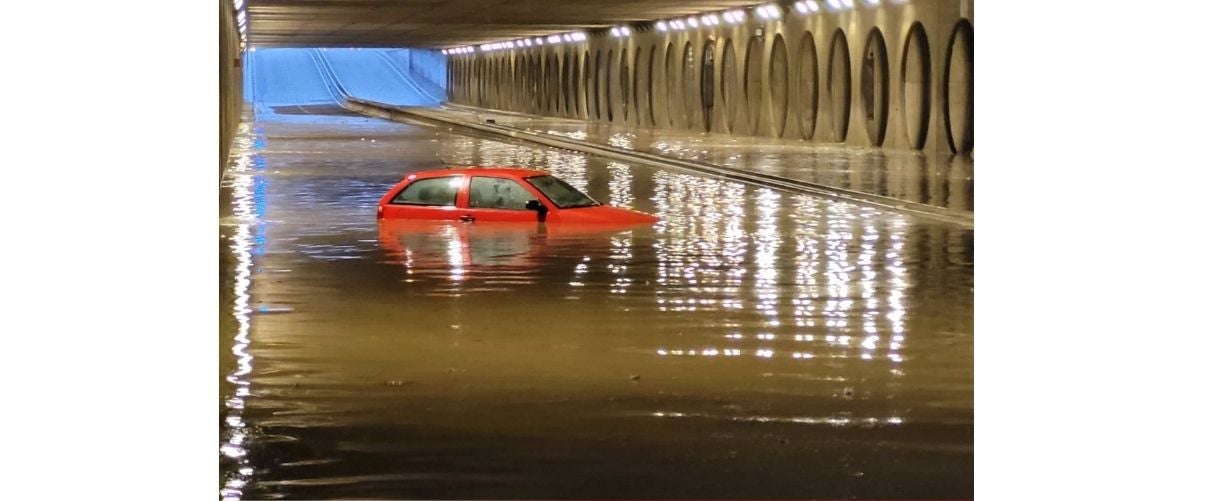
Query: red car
498, 194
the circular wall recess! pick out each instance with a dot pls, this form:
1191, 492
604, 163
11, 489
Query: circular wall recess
874, 87
753, 83
838, 84
915, 82
728, 85
671, 85
778, 85
959, 88
690, 85
707, 84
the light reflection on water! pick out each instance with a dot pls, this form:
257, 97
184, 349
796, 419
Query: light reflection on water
240, 179
742, 306
941, 181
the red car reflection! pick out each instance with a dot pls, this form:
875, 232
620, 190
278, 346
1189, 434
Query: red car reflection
425, 245
498, 194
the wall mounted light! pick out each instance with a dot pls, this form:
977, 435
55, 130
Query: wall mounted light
807, 7
769, 11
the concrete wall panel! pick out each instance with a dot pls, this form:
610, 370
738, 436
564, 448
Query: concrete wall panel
959, 95
807, 86
908, 83
656, 100
874, 87
707, 84
839, 87
915, 86
728, 88
779, 84
753, 82
673, 96
429, 64
230, 82
639, 67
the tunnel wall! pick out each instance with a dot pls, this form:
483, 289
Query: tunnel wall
230, 81
429, 64
402, 56
844, 93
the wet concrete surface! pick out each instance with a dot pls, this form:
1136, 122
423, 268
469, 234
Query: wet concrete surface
314, 109
946, 181
752, 344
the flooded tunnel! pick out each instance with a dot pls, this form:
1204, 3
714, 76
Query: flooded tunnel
615, 249
797, 323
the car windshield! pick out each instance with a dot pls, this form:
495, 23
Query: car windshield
561, 193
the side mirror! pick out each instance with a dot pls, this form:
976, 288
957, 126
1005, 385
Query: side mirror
536, 205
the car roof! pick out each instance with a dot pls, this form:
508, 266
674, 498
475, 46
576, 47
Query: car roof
519, 172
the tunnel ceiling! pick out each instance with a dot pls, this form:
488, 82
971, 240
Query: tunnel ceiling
444, 23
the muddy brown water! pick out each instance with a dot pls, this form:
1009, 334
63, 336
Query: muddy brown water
752, 344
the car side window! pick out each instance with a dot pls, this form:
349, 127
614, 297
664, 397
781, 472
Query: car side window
440, 191
498, 193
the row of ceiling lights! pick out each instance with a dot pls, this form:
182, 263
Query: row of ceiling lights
769, 12
241, 15
576, 36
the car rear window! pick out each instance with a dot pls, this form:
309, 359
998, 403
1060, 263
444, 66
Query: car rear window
440, 191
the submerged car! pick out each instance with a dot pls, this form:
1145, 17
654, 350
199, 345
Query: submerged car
498, 194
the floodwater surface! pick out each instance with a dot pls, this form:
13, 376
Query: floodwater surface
752, 344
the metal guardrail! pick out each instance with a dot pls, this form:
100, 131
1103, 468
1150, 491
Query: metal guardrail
330, 79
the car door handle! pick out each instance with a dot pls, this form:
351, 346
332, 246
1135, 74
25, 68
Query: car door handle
467, 218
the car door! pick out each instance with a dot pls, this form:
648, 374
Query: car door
498, 198
430, 198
